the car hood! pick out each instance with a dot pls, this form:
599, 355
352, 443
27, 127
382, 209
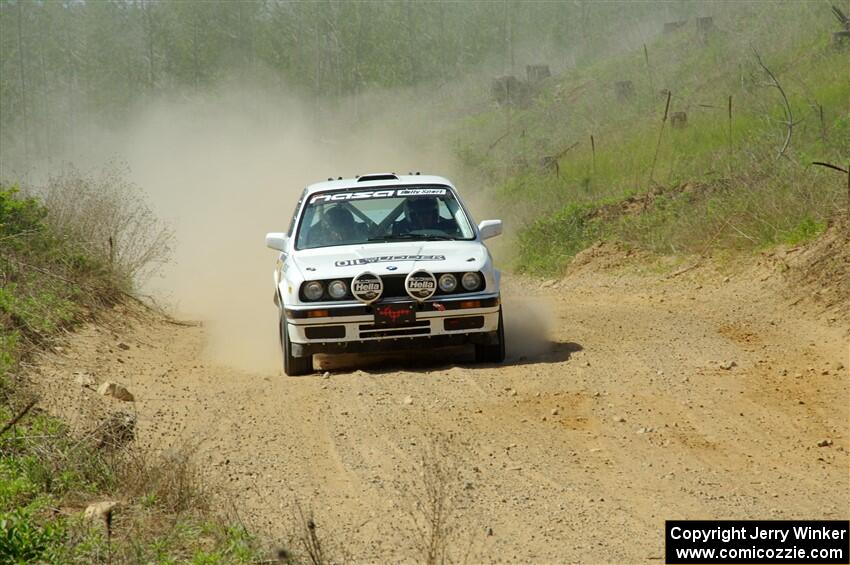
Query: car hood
390, 258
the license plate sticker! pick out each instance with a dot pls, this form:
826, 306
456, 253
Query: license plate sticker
394, 314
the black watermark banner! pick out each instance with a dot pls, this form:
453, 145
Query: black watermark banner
757, 541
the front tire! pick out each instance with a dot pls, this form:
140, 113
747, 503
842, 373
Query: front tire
292, 366
493, 353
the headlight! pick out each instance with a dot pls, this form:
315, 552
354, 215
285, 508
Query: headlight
313, 290
448, 282
337, 289
471, 281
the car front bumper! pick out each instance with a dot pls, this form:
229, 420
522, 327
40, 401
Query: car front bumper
471, 319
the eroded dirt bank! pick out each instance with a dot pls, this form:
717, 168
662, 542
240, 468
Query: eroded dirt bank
651, 398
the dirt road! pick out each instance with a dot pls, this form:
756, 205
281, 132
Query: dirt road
651, 398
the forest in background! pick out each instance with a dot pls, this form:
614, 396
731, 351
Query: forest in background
69, 67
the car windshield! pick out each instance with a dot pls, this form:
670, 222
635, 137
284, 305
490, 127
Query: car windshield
354, 217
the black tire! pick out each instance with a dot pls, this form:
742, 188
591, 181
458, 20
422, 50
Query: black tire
494, 353
292, 366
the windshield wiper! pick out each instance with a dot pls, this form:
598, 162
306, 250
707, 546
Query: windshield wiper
412, 236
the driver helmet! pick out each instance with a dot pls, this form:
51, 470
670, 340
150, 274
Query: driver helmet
423, 212
339, 223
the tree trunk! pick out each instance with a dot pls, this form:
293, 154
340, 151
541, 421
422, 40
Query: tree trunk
23, 78
149, 29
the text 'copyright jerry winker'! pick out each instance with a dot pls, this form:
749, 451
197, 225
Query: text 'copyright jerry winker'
757, 541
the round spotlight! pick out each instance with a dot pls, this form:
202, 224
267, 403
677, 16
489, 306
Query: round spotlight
448, 282
313, 290
367, 287
420, 285
337, 289
471, 281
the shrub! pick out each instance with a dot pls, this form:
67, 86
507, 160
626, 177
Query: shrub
19, 216
805, 230
23, 539
107, 217
550, 242
69, 248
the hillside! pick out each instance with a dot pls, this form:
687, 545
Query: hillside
719, 168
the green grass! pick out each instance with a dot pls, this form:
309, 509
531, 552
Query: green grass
553, 240
805, 230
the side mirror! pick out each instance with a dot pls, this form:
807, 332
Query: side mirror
277, 241
490, 228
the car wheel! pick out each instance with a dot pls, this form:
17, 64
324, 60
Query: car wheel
292, 366
494, 353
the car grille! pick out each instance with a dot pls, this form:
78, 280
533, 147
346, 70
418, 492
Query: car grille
394, 286
422, 327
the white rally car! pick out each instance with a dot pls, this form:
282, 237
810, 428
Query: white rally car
385, 261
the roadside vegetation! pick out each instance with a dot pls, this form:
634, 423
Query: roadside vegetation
67, 256
70, 249
708, 144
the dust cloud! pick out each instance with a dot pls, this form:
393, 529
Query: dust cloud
227, 171
529, 322
228, 167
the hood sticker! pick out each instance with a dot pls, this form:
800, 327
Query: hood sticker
388, 259
387, 193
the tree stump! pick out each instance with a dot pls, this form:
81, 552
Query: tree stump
705, 25
520, 164
509, 91
678, 120
537, 73
549, 164
501, 87
625, 90
670, 27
